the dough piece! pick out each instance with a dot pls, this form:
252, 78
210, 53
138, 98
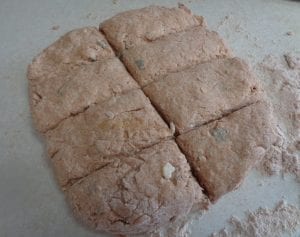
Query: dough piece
74, 72
222, 152
205, 92
122, 125
131, 195
76, 47
72, 88
173, 53
136, 27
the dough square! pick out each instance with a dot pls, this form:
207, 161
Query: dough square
204, 92
72, 89
131, 194
124, 124
173, 53
136, 27
222, 152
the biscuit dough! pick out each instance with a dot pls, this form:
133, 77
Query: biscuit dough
76, 71
130, 195
114, 150
222, 152
205, 92
173, 53
122, 125
136, 27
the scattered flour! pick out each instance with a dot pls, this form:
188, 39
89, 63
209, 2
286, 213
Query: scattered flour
179, 228
282, 86
292, 60
264, 222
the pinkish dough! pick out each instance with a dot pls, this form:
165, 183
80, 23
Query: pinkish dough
128, 110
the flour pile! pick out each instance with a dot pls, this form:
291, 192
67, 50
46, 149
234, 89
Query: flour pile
281, 78
264, 222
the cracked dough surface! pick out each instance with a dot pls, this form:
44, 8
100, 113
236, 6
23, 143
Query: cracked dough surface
114, 150
130, 195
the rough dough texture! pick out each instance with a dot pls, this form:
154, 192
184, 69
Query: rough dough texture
205, 92
222, 152
136, 198
173, 53
122, 125
132, 28
113, 154
73, 89
73, 73
75, 47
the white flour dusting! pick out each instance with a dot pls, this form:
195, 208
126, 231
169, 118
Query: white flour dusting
264, 222
292, 60
282, 86
179, 228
